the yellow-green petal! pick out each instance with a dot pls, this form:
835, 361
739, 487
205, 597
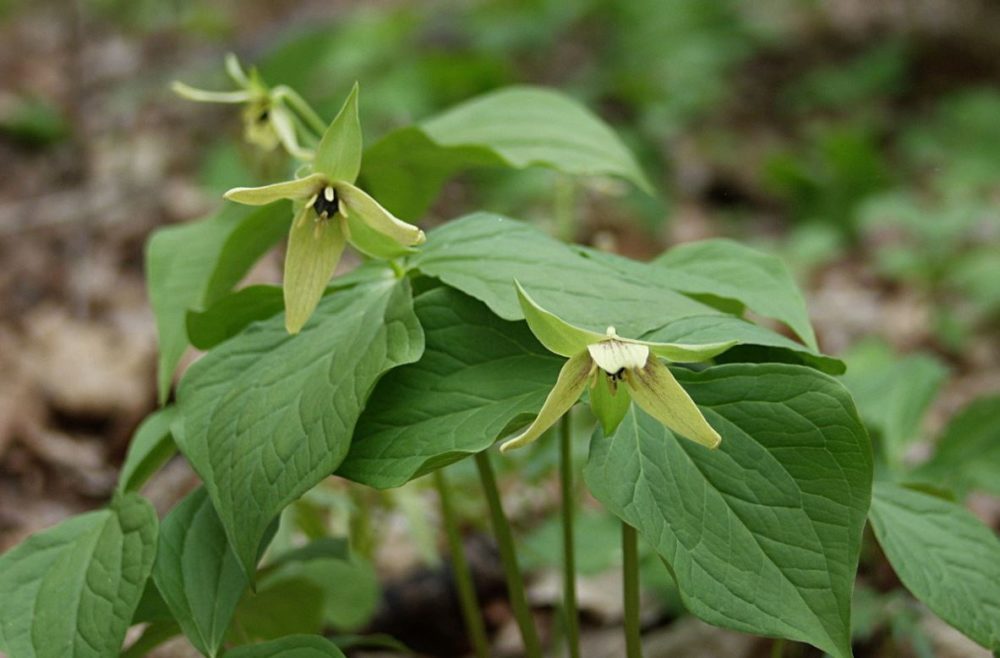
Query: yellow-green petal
235, 70
613, 355
204, 96
339, 152
656, 391
609, 402
557, 335
378, 218
569, 387
297, 190
284, 127
684, 353
314, 249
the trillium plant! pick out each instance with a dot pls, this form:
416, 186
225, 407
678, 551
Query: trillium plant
727, 448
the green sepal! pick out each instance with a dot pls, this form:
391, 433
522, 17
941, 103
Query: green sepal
338, 155
570, 384
204, 96
610, 406
658, 393
372, 243
563, 338
296, 190
376, 217
555, 334
314, 249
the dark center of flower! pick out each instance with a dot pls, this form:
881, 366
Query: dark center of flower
326, 204
618, 375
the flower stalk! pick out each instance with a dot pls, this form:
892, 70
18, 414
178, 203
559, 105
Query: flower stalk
508, 557
472, 613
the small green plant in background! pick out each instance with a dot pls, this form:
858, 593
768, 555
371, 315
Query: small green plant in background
432, 350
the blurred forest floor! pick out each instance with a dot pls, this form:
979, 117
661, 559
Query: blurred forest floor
97, 153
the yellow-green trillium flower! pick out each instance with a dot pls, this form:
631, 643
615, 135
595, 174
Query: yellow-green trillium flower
270, 115
330, 210
617, 370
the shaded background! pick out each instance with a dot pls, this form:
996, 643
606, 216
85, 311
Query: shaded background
860, 140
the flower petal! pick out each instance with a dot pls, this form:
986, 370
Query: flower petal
554, 333
378, 218
284, 126
613, 354
314, 249
235, 70
298, 189
339, 152
569, 387
204, 96
685, 353
609, 402
657, 392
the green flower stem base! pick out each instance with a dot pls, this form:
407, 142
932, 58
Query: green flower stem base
505, 541
630, 580
471, 612
569, 552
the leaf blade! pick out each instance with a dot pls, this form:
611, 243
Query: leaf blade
754, 531
253, 459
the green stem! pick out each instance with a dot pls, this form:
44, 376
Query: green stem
505, 541
569, 552
302, 108
778, 648
471, 612
630, 580
565, 206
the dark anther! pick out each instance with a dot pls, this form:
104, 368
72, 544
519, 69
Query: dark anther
618, 375
326, 203
262, 117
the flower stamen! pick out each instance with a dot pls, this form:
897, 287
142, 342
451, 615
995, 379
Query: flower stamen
326, 204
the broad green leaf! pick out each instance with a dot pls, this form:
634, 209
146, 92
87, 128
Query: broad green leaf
293, 646
153, 636
967, 456
763, 534
893, 393
149, 449
514, 127
729, 270
279, 608
579, 290
338, 155
197, 572
944, 555
589, 292
232, 313
341, 590
71, 590
477, 375
265, 416
191, 265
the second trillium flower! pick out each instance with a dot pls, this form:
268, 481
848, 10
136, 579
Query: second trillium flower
617, 371
329, 211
